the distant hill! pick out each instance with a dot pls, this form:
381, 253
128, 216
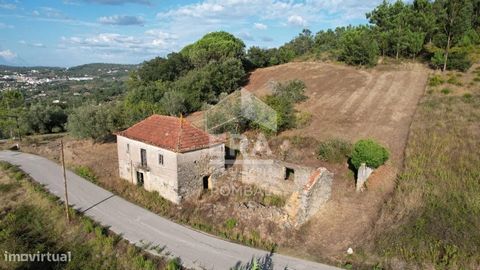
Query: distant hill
24, 68
99, 68
87, 68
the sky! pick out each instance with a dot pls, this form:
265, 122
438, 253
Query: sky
66, 33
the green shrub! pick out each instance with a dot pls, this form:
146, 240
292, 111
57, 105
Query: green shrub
88, 225
293, 90
446, 91
435, 80
174, 264
19, 176
467, 97
334, 150
454, 80
369, 152
458, 61
302, 119
230, 223
86, 173
5, 188
274, 200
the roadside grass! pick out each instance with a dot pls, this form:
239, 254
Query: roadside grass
86, 173
31, 220
433, 218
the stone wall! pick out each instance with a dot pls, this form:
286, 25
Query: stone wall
275, 176
194, 166
362, 176
304, 203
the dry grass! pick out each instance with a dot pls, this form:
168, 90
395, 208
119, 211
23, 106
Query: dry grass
433, 218
32, 220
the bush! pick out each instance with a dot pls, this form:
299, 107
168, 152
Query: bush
95, 121
86, 173
302, 119
230, 223
274, 200
293, 90
446, 91
459, 61
456, 61
174, 264
334, 150
369, 152
467, 97
454, 80
435, 80
358, 47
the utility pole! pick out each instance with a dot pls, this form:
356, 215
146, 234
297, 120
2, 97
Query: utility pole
65, 182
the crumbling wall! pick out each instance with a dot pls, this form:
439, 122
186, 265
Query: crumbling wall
194, 165
272, 175
362, 175
304, 203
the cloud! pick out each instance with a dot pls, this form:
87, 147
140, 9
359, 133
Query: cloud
50, 13
36, 45
297, 20
119, 2
122, 20
6, 5
6, 26
260, 26
152, 42
8, 55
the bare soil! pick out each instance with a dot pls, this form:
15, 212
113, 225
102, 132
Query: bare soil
352, 103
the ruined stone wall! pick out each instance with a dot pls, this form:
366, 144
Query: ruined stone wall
304, 203
194, 165
271, 175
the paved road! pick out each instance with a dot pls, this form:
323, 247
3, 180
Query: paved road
137, 225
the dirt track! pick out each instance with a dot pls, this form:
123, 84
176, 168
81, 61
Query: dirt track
352, 103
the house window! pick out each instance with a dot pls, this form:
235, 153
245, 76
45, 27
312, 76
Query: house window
143, 157
128, 148
160, 159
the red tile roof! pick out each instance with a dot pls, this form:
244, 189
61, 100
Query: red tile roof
172, 133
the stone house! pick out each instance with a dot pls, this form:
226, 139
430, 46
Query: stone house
169, 155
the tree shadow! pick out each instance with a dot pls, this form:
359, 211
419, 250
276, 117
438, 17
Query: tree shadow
262, 263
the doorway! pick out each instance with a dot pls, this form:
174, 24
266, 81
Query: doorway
206, 180
140, 179
289, 173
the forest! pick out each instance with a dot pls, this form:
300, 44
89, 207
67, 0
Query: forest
441, 33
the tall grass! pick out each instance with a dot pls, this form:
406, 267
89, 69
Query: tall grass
433, 218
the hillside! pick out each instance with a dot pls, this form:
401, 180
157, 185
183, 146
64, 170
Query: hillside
351, 103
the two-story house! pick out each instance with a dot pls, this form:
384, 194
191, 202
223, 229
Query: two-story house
169, 155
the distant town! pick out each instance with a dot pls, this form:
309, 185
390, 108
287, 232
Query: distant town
58, 85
